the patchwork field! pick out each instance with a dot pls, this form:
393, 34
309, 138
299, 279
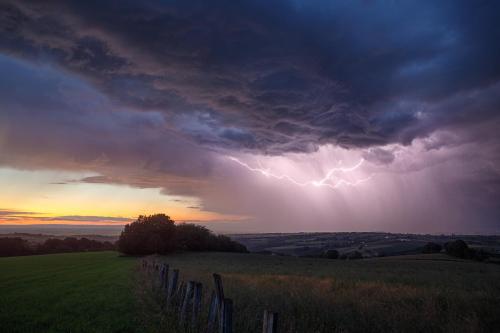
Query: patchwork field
103, 292
369, 244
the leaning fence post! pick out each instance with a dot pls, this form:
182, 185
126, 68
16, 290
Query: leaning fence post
185, 302
181, 291
270, 322
164, 276
172, 286
212, 312
198, 289
218, 287
227, 316
219, 293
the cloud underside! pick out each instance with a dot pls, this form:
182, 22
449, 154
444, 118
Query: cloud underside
152, 94
273, 77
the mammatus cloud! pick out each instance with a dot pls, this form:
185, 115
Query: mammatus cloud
156, 94
273, 76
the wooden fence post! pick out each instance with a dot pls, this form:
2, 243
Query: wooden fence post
213, 310
218, 287
270, 322
219, 295
172, 286
198, 289
164, 276
181, 291
185, 303
227, 316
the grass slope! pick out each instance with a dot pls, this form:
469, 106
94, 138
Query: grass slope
96, 292
425, 293
76, 292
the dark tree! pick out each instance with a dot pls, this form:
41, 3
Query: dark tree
192, 237
331, 254
54, 245
432, 248
226, 244
460, 249
159, 234
354, 255
14, 246
457, 248
148, 235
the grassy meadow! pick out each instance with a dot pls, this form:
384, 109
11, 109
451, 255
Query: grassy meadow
74, 292
423, 293
103, 292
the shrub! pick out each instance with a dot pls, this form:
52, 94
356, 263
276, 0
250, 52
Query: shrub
331, 254
354, 255
460, 249
226, 244
148, 235
72, 244
432, 248
14, 246
194, 237
456, 248
159, 234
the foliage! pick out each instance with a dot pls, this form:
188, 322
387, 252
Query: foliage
432, 248
16, 246
72, 244
351, 255
460, 249
331, 254
158, 234
148, 235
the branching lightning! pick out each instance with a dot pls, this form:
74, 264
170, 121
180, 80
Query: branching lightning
330, 180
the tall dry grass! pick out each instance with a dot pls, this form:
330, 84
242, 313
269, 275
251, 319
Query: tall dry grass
380, 295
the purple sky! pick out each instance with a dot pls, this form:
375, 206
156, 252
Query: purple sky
252, 115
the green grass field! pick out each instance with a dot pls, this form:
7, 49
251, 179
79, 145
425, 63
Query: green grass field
76, 292
102, 292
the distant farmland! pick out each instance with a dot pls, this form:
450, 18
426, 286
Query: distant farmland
369, 244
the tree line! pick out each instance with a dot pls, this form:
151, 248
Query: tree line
147, 235
16, 246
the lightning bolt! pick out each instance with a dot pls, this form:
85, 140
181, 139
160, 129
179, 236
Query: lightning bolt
326, 181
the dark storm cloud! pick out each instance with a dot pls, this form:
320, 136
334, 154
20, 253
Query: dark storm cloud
275, 76
55, 121
379, 156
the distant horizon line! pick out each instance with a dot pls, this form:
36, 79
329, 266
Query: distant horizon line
53, 227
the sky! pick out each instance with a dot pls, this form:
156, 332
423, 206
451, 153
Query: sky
252, 116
